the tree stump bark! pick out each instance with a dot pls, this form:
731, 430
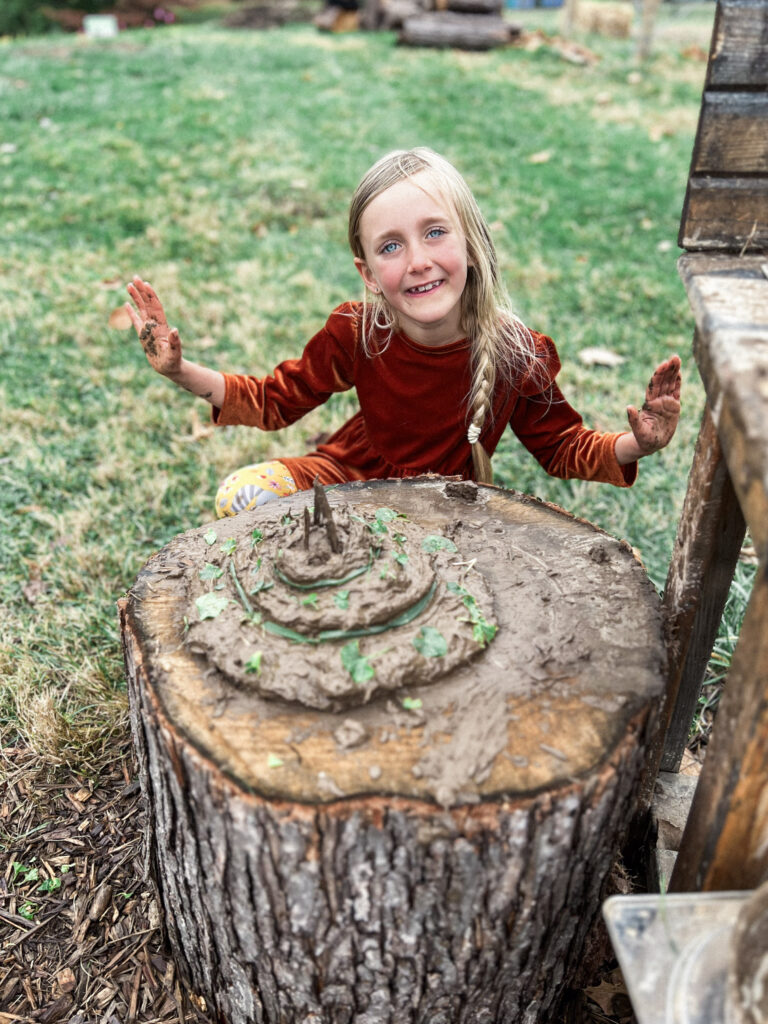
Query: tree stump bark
438, 853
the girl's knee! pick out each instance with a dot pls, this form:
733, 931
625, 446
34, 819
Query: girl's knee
252, 486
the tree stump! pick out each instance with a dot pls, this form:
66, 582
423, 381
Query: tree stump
388, 836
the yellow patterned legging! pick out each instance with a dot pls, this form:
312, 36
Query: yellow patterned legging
254, 485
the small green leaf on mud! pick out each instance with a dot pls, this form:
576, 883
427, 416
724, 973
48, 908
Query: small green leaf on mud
310, 599
254, 663
210, 572
50, 885
229, 546
386, 515
358, 666
273, 761
256, 537
437, 543
412, 703
211, 605
210, 537
341, 599
28, 911
287, 519
402, 559
430, 642
399, 538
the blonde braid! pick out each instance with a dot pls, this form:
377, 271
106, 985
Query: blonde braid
483, 379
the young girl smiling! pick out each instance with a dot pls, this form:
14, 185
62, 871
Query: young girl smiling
440, 362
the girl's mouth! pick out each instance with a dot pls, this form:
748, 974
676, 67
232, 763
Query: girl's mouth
423, 289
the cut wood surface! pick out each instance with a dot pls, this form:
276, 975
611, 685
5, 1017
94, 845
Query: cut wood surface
729, 299
435, 855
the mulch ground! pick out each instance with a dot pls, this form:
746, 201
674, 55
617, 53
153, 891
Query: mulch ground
80, 935
80, 929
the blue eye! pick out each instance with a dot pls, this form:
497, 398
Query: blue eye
389, 247
435, 232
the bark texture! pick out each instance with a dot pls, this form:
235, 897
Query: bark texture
386, 907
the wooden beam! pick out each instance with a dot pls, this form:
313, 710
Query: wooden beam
739, 54
709, 536
725, 843
729, 299
732, 137
725, 214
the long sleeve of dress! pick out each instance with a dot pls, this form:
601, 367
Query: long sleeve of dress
297, 385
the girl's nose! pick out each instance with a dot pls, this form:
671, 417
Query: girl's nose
420, 259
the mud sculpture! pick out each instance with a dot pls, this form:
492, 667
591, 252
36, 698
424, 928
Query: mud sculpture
333, 608
390, 736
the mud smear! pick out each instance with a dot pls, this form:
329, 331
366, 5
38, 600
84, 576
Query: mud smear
577, 651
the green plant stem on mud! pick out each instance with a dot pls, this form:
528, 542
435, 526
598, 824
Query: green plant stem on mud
218, 165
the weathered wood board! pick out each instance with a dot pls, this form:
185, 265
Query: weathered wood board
729, 300
739, 50
448, 864
725, 843
725, 205
709, 537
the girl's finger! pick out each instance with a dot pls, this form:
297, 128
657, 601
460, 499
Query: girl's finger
135, 318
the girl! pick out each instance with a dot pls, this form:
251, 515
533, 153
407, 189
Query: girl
440, 362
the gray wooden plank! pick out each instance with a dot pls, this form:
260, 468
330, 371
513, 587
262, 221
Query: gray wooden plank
739, 54
725, 214
729, 300
732, 137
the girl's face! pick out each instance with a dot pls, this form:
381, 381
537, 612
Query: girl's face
416, 257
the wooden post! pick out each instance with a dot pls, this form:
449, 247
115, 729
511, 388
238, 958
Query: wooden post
725, 843
709, 537
437, 852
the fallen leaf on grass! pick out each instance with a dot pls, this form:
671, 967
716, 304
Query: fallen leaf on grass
600, 357
119, 319
542, 157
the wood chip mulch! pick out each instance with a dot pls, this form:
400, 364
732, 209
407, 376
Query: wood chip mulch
80, 931
80, 934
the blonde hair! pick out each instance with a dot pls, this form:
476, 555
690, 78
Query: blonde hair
502, 348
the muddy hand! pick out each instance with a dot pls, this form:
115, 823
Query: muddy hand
161, 343
654, 424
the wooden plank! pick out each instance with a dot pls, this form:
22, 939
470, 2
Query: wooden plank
732, 137
729, 299
725, 843
709, 536
725, 214
739, 54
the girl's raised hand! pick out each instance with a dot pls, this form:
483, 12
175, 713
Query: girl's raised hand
160, 342
654, 424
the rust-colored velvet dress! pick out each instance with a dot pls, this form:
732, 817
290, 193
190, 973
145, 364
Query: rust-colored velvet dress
413, 410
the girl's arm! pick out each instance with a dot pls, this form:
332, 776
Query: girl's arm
162, 346
654, 425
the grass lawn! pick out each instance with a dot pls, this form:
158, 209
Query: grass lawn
218, 164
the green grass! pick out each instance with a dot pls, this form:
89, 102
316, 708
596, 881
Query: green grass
219, 164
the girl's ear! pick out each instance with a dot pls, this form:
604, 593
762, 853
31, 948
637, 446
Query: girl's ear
365, 272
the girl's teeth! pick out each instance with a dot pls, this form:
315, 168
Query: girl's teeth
425, 287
